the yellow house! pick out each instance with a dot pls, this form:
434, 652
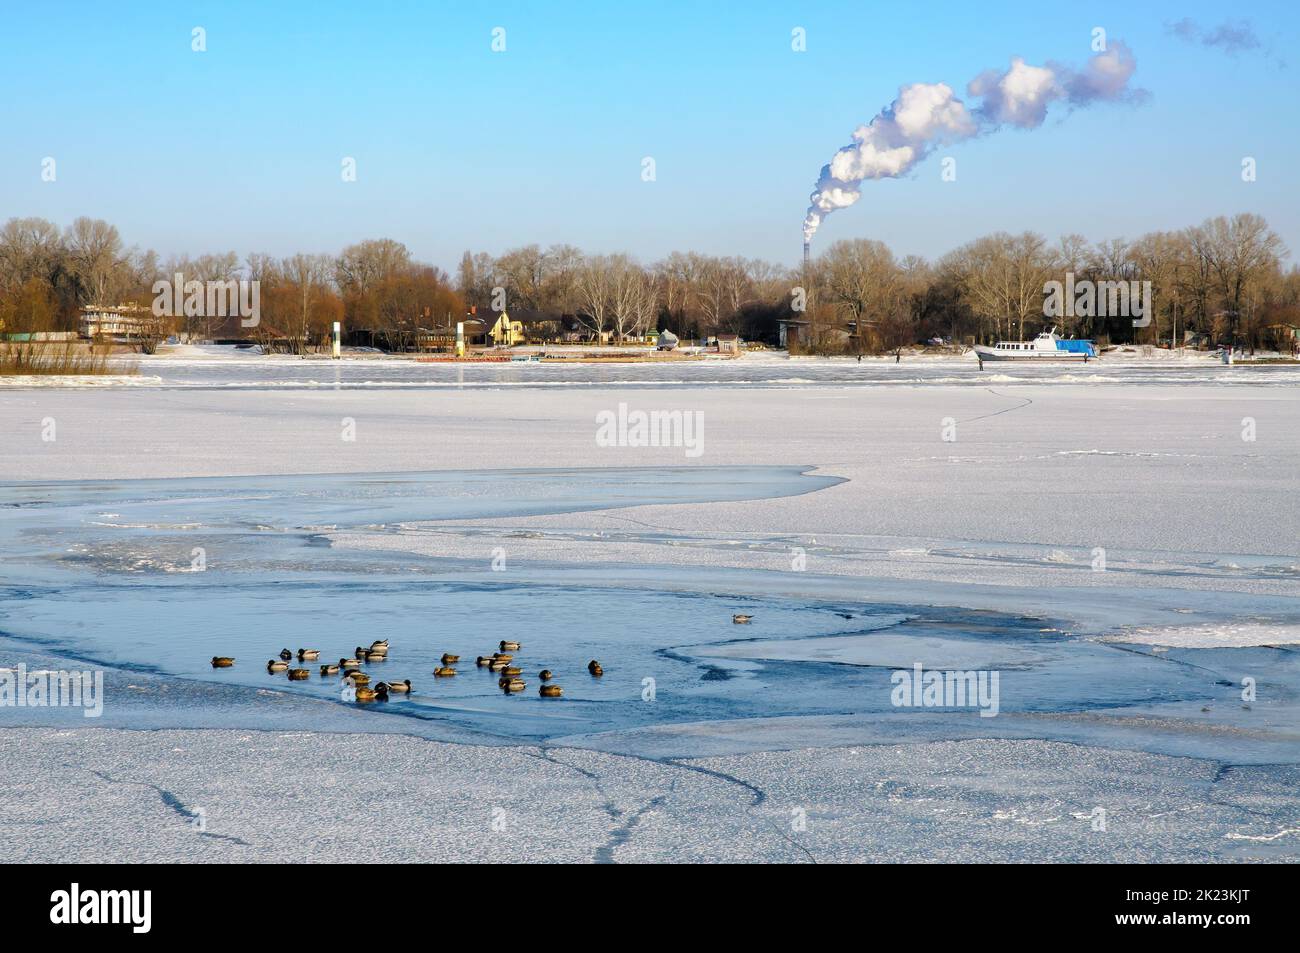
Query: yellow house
506, 333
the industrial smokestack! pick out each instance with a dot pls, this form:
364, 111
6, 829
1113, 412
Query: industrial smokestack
926, 115
806, 246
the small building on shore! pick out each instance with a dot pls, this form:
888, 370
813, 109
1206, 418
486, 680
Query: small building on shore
525, 326
791, 331
506, 332
443, 338
120, 324
728, 343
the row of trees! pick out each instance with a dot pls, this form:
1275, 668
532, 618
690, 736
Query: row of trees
48, 274
1224, 278
686, 292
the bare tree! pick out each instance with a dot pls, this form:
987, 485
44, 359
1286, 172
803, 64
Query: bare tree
309, 275
594, 290
862, 280
1241, 250
94, 252
678, 275
362, 266
474, 279
631, 297
1002, 277
29, 248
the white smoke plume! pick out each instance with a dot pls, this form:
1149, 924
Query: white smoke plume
926, 115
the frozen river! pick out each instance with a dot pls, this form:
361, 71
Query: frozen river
1116, 544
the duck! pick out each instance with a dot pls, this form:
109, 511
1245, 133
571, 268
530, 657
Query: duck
308, 655
740, 619
286, 654
497, 665
545, 675
222, 661
379, 645
276, 666
299, 674
362, 654
366, 695
358, 678
511, 646
445, 672
328, 670
550, 691
348, 664
511, 671
512, 684
594, 668
400, 688
449, 659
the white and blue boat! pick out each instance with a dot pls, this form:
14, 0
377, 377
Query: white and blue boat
1048, 346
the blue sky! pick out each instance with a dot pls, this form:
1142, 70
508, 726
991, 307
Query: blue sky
459, 147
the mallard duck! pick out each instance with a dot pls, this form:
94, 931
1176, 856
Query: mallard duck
308, 655
276, 666
594, 668
545, 675
497, 665
222, 661
349, 664
550, 691
379, 645
285, 654
449, 659
512, 670
482, 661
366, 695
299, 674
503, 656
327, 670
511, 646
512, 684
739, 619
445, 672
357, 678
362, 654
401, 688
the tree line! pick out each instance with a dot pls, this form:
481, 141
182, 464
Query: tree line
1224, 278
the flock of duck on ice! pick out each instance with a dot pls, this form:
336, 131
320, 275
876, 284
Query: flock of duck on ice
501, 661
